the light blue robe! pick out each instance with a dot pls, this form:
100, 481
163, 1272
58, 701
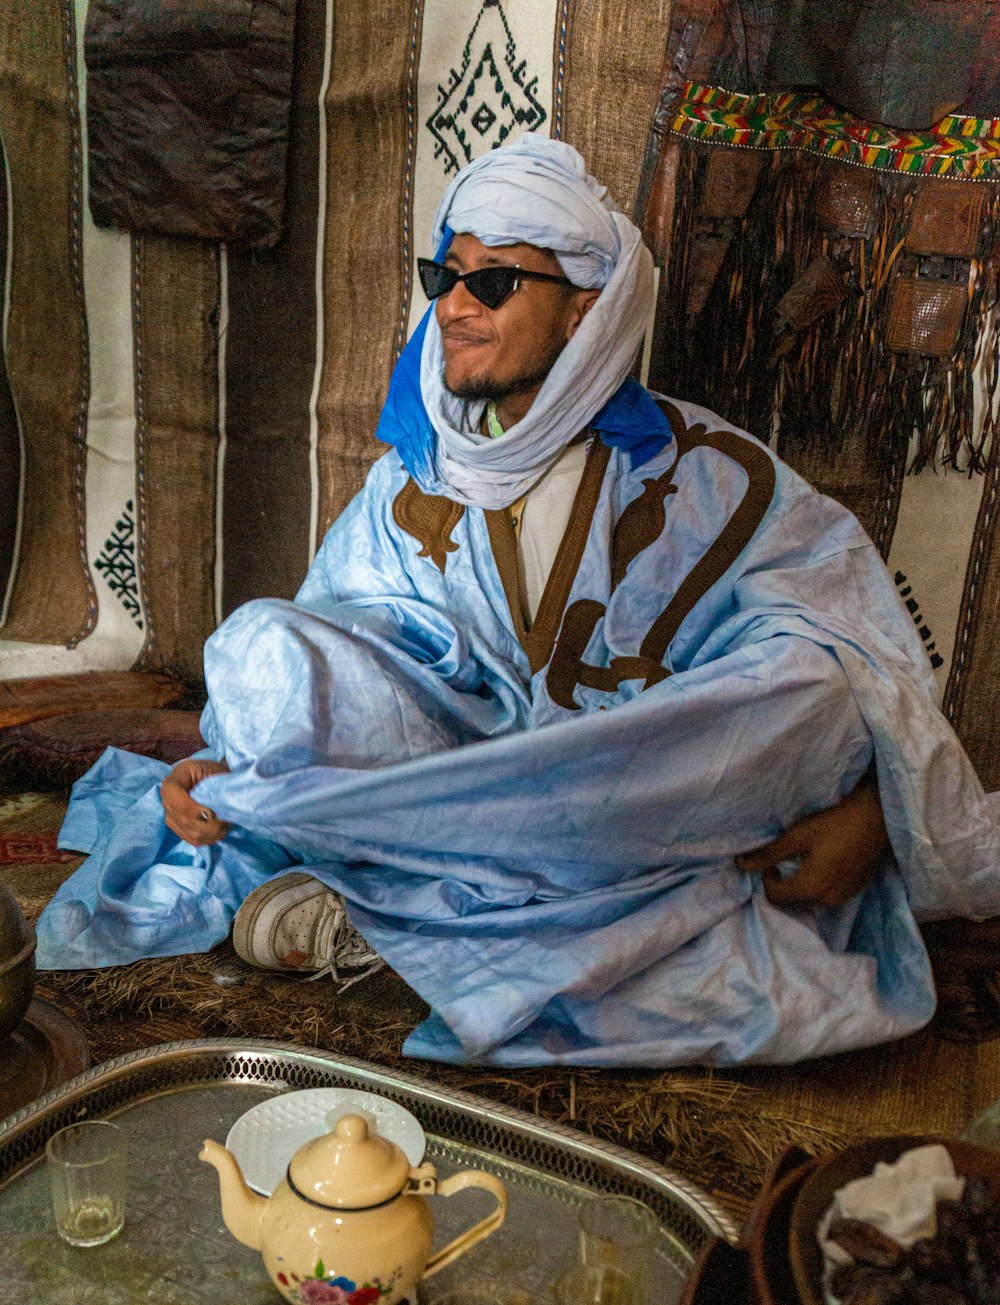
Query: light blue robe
559, 885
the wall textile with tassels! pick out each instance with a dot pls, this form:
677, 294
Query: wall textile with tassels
831, 278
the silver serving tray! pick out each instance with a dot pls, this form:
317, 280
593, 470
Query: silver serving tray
175, 1250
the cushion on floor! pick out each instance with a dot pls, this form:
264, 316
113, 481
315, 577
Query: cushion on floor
57, 695
59, 749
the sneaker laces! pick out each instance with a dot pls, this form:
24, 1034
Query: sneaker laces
347, 949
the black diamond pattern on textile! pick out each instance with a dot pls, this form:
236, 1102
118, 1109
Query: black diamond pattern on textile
488, 93
483, 118
116, 562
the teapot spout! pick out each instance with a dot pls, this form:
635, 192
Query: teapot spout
242, 1210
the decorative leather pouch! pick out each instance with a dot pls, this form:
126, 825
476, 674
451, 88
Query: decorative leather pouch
730, 182
708, 253
817, 291
925, 317
847, 201
947, 218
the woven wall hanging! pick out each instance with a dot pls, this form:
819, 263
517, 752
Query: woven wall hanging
831, 278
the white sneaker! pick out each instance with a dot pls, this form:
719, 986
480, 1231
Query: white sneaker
297, 923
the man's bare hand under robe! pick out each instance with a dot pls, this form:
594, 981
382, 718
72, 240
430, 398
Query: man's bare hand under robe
839, 852
196, 824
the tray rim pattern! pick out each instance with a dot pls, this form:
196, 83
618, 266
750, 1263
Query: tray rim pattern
699, 1204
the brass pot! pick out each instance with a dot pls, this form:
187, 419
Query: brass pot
17, 963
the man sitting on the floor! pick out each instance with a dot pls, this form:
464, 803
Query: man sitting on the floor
715, 652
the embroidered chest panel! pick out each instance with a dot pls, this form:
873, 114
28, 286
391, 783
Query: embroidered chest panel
639, 526
429, 519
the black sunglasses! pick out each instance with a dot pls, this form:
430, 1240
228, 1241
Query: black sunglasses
492, 286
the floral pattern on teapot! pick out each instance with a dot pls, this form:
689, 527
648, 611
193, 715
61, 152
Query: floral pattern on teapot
327, 1288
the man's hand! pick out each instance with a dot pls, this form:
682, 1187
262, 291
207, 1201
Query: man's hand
185, 817
839, 852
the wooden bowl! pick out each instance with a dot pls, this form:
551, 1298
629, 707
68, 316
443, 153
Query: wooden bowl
17, 964
816, 1195
767, 1249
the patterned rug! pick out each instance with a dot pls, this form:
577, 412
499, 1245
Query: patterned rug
720, 1128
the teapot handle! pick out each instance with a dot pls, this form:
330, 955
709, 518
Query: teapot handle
465, 1241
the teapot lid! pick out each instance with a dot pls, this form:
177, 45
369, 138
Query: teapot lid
350, 1168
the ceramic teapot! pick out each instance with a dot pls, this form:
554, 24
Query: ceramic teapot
349, 1223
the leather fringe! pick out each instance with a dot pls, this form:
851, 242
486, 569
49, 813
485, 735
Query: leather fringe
831, 375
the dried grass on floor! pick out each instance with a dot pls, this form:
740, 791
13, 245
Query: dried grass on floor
715, 1131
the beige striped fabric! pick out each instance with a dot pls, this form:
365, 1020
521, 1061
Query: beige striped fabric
367, 275
176, 352
611, 84
181, 421
272, 353
972, 696
50, 595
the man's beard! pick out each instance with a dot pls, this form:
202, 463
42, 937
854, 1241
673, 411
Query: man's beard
479, 389
490, 389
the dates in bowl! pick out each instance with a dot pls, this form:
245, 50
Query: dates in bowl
960, 1264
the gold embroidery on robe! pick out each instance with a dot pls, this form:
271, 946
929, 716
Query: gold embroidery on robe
429, 519
538, 641
632, 534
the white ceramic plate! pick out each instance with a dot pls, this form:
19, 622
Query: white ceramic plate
266, 1137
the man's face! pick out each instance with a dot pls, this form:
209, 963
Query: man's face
505, 353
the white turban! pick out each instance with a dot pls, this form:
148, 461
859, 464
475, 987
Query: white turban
537, 191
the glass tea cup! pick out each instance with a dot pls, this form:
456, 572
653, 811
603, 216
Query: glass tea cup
617, 1241
86, 1165
597, 1284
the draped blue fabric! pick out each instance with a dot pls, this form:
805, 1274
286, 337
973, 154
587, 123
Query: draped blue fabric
559, 885
630, 420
